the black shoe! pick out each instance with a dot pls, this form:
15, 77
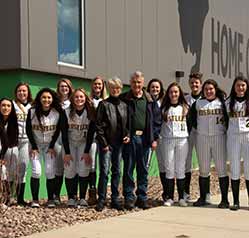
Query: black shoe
129, 205
200, 203
223, 204
142, 204
100, 206
235, 207
22, 203
117, 206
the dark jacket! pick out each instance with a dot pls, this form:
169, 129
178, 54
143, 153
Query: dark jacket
106, 123
152, 119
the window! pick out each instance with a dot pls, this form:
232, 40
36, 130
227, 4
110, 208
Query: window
70, 14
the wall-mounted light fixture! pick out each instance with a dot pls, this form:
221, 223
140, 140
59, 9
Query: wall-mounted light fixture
179, 75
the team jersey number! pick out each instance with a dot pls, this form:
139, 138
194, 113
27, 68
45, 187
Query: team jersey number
247, 123
220, 120
183, 127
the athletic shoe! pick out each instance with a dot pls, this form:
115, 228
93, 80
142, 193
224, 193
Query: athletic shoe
235, 207
71, 203
35, 204
57, 201
51, 204
186, 197
223, 204
182, 203
83, 203
208, 198
142, 204
200, 203
100, 206
168, 203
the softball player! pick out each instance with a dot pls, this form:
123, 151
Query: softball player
22, 104
174, 142
9, 172
98, 93
210, 119
238, 135
64, 91
156, 90
45, 121
79, 114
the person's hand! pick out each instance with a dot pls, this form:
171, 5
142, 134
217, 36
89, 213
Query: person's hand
87, 158
34, 154
154, 145
52, 153
126, 140
67, 159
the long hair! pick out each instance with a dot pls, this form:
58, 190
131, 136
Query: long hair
12, 127
161, 93
220, 94
29, 99
233, 94
166, 100
103, 94
38, 106
91, 114
69, 84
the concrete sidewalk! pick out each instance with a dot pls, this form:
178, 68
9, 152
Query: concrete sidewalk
165, 222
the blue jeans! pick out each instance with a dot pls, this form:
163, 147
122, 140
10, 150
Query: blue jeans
109, 159
135, 154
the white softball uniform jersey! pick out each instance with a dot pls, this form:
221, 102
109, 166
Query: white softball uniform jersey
238, 139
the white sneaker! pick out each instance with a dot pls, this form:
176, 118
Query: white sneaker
168, 203
71, 202
50, 204
35, 204
186, 197
182, 203
208, 198
83, 203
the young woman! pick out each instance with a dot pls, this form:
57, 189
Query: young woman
64, 91
44, 123
22, 104
112, 133
238, 135
209, 118
156, 90
98, 93
174, 143
80, 134
10, 172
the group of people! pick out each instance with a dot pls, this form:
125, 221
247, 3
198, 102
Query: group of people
68, 128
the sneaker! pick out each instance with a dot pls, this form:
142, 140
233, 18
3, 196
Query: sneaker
50, 204
235, 207
129, 205
223, 204
35, 204
71, 203
142, 204
200, 203
100, 206
168, 203
83, 203
57, 201
183, 203
186, 197
117, 206
208, 198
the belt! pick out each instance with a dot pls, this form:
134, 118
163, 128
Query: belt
139, 132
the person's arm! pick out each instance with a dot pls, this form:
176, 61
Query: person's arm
157, 120
192, 117
64, 132
30, 132
4, 144
90, 136
101, 125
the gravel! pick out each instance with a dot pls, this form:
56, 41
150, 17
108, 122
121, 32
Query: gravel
16, 221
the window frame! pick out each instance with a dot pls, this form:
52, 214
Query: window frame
82, 48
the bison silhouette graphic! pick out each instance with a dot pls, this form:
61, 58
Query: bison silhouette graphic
192, 15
